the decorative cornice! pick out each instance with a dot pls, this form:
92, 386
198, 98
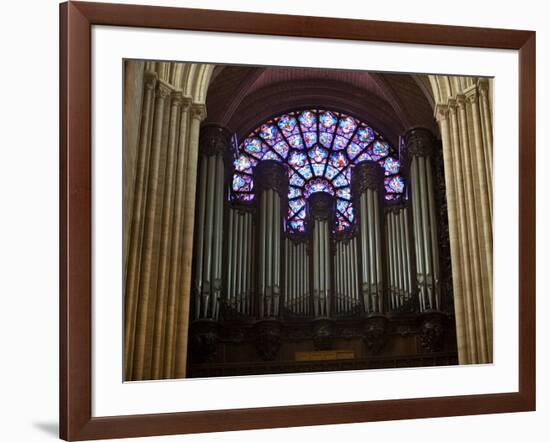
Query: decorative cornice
214, 139
321, 206
367, 175
419, 142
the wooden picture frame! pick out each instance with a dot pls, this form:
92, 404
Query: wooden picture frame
76, 421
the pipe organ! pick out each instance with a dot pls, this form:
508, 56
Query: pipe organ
419, 144
209, 221
249, 266
297, 301
240, 263
271, 180
367, 182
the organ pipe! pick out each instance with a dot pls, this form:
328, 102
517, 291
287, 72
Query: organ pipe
367, 180
215, 142
419, 145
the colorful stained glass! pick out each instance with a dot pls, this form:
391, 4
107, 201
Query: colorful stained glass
318, 169
325, 139
318, 185
363, 157
293, 192
268, 131
253, 145
308, 119
318, 154
340, 143
271, 155
243, 162
353, 150
328, 121
338, 160
346, 126
287, 123
296, 180
344, 192
391, 165
297, 159
394, 184
319, 146
242, 182
306, 172
297, 204
244, 196
331, 172
310, 138
297, 225
380, 148
281, 148
341, 180
365, 134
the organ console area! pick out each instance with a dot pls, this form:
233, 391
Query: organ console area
318, 246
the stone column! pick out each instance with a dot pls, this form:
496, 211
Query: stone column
137, 222
320, 215
271, 180
197, 113
367, 184
215, 143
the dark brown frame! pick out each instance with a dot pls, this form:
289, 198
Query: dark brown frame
76, 421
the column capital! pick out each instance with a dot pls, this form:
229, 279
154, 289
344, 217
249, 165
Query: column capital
471, 94
270, 174
461, 102
150, 80
367, 175
163, 89
419, 142
198, 111
214, 139
441, 112
483, 86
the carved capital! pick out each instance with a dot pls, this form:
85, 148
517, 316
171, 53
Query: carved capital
419, 142
177, 98
367, 175
214, 139
150, 80
441, 112
483, 87
198, 111
163, 90
461, 102
452, 104
271, 174
471, 94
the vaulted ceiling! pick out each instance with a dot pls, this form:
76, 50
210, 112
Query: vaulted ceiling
241, 97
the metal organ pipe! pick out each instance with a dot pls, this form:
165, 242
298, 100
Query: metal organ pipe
419, 145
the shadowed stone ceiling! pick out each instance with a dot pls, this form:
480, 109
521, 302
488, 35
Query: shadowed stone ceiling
241, 97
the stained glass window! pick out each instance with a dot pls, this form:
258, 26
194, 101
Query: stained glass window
320, 148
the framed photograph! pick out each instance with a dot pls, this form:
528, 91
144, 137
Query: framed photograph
274, 220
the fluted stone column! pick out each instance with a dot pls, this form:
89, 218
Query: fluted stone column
467, 144
420, 145
321, 212
215, 143
367, 183
271, 181
197, 113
